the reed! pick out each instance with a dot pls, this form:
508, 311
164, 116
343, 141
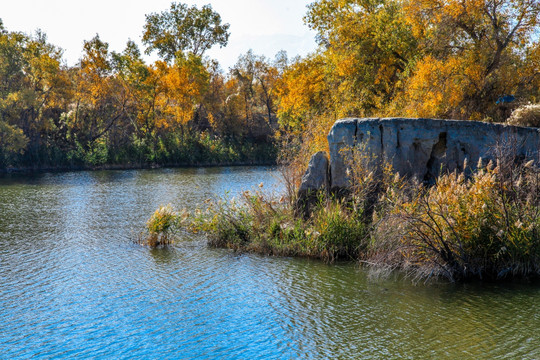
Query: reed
162, 226
481, 226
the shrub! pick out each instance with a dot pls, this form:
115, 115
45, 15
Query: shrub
527, 115
235, 223
339, 231
485, 226
162, 225
227, 224
256, 222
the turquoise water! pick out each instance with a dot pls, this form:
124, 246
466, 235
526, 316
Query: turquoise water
73, 284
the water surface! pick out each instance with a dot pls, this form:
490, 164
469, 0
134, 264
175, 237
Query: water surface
73, 284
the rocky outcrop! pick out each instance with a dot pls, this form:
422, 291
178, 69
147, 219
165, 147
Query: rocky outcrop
316, 178
420, 148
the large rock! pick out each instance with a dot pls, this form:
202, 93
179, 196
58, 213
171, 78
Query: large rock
423, 147
316, 176
420, 148
314, 181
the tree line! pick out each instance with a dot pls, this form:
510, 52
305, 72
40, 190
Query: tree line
113, 108
460, 59
457, 59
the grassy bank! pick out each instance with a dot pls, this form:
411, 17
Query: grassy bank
483, 226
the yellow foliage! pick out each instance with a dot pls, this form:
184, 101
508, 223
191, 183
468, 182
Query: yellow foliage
436, 87
180, 88
302, 93
12, 139
428, 58
471, 53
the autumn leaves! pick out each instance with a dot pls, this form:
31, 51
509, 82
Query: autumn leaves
415, 58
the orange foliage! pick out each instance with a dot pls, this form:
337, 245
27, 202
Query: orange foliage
180, 89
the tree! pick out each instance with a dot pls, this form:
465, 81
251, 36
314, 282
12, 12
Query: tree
180, 91
100, 101
304, 93
255, 78
184, 29
139, 84
34, 91
366, 47
12, 138
12, 142
471, 52
427, 58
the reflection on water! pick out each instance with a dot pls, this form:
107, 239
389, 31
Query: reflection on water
74, 285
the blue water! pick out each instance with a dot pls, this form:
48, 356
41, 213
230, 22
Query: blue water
75, 284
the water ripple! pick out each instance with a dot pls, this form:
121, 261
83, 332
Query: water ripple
74, 285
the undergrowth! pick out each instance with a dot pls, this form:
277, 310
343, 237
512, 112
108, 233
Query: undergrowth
260, 223
162, 226
485, 226
481, 226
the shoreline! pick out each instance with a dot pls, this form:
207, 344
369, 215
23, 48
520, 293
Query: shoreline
484, 227
53, 169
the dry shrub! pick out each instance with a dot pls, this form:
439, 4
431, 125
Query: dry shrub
292, 170
297, 148
236, 223
162, 226
527, 115
374, 185
485, 226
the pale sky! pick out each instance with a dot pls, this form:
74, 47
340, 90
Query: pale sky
266, 26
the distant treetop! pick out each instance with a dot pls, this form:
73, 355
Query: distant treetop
184, 29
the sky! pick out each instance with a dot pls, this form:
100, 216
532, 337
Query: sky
265, 26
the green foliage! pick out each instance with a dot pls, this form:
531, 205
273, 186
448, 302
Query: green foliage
260, 223
184, 29
338, 231
96, 155
232, 228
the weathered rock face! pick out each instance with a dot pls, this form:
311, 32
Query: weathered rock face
314, 180
316, 176
423, 147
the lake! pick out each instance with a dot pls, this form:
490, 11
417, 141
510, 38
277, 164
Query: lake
75, 284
